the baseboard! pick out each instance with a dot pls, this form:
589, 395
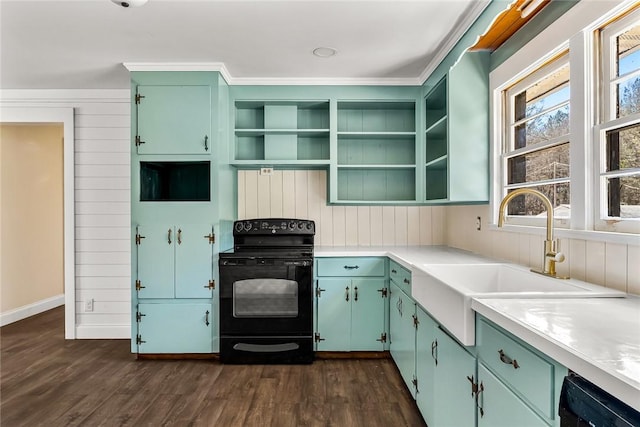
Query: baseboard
31, 309
98, 332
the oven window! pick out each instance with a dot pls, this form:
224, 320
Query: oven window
265, 298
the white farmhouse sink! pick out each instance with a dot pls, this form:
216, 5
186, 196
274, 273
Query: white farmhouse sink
446, 290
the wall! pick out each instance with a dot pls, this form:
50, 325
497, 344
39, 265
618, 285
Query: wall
613, 265
31, 228
303, 194
102, 203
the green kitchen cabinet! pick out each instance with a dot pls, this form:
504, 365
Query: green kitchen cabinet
281, 132
456, 162
351, 298
519, 374
402, 333
376, 152
173, 119
498, 406
454, 376
426, 365
174, 261
174, 328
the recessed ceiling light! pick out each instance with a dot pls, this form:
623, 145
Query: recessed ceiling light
324, 52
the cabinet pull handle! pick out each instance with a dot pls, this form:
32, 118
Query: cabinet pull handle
346, 294
179, 236
480, 389
507, 360
169, 236
393, 270
206, 318
434, 348
407, 281
355, 296
351, 267
400, 300
206, 145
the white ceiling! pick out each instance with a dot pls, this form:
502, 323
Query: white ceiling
71, 44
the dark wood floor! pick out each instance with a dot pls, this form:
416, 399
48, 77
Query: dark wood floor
48, 381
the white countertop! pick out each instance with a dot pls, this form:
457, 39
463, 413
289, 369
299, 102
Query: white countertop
598, 338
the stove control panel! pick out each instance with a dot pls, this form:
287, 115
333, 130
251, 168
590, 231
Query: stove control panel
274, 226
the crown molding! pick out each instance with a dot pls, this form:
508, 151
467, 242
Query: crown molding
180, 66
324, 81
444, 49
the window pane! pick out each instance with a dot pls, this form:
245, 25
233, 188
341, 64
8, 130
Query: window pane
628, 44
540, 165
528, 205
624, 197
623, 148
628, 93
547, 93
549, 125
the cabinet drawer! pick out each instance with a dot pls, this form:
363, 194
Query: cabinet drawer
350, 267
528, 374
400, 276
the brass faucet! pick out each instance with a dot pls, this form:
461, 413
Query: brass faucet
551, 256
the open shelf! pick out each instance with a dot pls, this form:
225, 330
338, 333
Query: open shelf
376, 116
376, 184
281, 130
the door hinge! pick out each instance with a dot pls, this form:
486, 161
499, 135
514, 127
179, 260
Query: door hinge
211, 285
138, 98
316, 337
414, 381
139, 285
383, 292
139, 239
416, 322
139, 339
139, 316
139, 141
211, 237
383, 337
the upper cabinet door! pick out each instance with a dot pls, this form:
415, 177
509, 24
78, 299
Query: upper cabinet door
173, 120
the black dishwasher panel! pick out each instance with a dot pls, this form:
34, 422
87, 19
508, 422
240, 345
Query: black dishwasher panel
583, 404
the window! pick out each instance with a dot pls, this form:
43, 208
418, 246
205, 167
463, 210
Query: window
567, 122
536, 143
618, 136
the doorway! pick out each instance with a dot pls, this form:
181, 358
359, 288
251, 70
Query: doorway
36, 164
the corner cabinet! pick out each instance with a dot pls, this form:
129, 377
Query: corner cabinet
351, 299
376, 152
179, 200
456, 162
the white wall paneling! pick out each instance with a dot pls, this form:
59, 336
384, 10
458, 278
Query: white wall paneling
99, 264
303, 194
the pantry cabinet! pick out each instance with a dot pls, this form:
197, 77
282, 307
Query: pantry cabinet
174, 328
351, 304
174, 261
173, 119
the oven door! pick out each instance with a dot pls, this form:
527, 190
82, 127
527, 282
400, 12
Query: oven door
266, 297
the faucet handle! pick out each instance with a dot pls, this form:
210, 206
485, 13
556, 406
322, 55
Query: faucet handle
559, 257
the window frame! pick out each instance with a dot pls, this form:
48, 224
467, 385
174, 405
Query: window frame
574, 31
548, 66
607, 121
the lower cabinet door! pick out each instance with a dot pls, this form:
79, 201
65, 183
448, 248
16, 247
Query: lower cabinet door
367, 314
426, 365
334, 314
175, 328
499, 407
194, 261
453, 401
403, 335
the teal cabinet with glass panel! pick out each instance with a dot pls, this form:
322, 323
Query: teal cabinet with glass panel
456, 154
281, 133
376, 152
